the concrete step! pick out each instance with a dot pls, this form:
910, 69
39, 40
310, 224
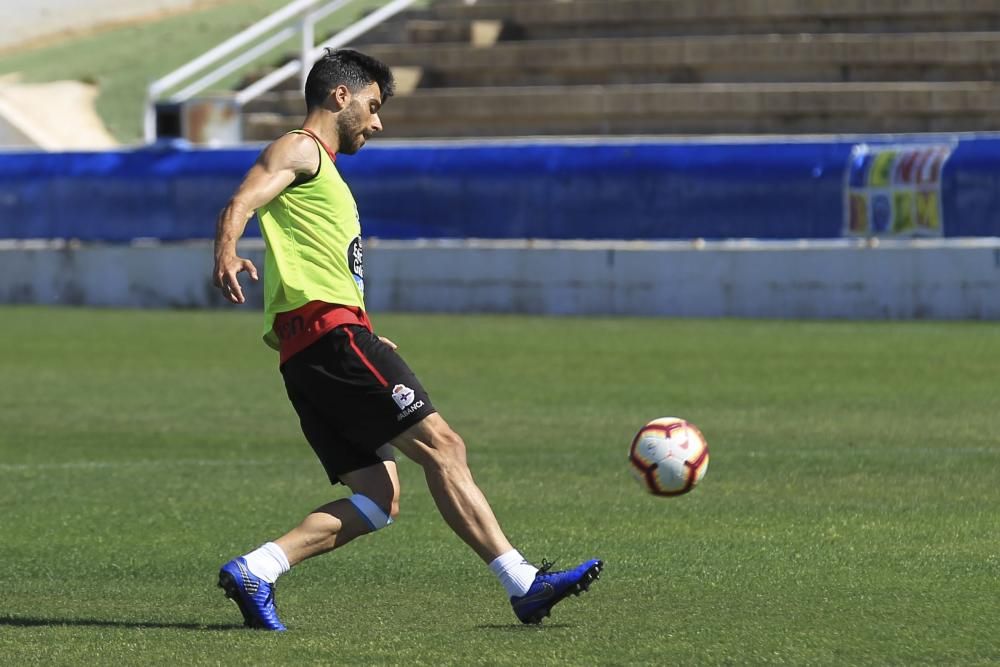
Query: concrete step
602, 18
679, 109
765, 58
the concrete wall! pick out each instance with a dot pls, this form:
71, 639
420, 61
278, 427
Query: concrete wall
943, 279
28, 21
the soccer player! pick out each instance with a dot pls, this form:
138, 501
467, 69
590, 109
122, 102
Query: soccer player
356, 398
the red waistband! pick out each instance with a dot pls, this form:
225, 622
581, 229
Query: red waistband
298, 329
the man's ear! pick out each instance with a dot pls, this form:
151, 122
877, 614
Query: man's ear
340, 97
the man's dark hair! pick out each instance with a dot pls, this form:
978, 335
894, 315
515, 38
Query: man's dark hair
349, 68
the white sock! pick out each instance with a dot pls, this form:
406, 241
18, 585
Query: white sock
515, 573
268, 562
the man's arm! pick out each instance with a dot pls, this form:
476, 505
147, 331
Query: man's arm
277, 167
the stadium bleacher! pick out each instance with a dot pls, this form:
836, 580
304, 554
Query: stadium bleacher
613, 67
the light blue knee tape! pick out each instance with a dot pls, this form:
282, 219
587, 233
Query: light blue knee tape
373, 515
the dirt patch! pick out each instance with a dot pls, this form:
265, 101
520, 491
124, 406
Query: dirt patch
54, 116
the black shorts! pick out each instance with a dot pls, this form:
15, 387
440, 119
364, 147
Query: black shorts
353, 394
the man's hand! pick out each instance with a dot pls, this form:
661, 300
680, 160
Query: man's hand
388, 342
226, 270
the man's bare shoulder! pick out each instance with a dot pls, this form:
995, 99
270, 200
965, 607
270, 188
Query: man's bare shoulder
293, 151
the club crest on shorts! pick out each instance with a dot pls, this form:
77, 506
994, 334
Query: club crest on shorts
403, 395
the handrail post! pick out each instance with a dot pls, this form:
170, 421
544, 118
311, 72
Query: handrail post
308, 27
149, 118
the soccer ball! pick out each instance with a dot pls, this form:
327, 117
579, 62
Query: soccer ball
669, 456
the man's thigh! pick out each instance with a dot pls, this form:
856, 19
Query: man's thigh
380, 482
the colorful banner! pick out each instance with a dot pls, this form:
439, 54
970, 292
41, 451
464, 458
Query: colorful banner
895, 190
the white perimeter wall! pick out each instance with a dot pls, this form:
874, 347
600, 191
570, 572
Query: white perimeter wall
900, 280
23, 21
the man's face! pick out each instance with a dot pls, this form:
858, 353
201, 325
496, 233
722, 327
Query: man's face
359, 120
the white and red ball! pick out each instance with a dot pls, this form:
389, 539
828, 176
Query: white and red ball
669, 456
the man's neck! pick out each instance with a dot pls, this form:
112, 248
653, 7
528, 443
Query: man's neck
323, 126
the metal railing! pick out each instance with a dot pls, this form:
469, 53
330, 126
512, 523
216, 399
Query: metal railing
298, 17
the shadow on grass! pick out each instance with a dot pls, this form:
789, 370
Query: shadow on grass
29, 622
511, 627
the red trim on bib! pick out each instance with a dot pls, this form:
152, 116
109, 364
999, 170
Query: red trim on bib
298, 329
333, 156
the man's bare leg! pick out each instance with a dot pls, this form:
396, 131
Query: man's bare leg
335, 524
441, 453
249, 580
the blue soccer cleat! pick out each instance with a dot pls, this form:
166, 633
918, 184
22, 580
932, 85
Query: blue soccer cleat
253, 595
551, 587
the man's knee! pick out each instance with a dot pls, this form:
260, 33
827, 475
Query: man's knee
394, 507
433, 444
376, 514
388, 504
449, 449
378, 504
376, 491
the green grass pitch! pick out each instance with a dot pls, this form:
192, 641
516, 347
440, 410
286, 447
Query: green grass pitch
850, 514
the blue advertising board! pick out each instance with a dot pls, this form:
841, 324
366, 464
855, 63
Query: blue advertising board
814, 188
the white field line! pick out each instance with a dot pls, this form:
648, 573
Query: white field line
942, 452
144, 463
730, 453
